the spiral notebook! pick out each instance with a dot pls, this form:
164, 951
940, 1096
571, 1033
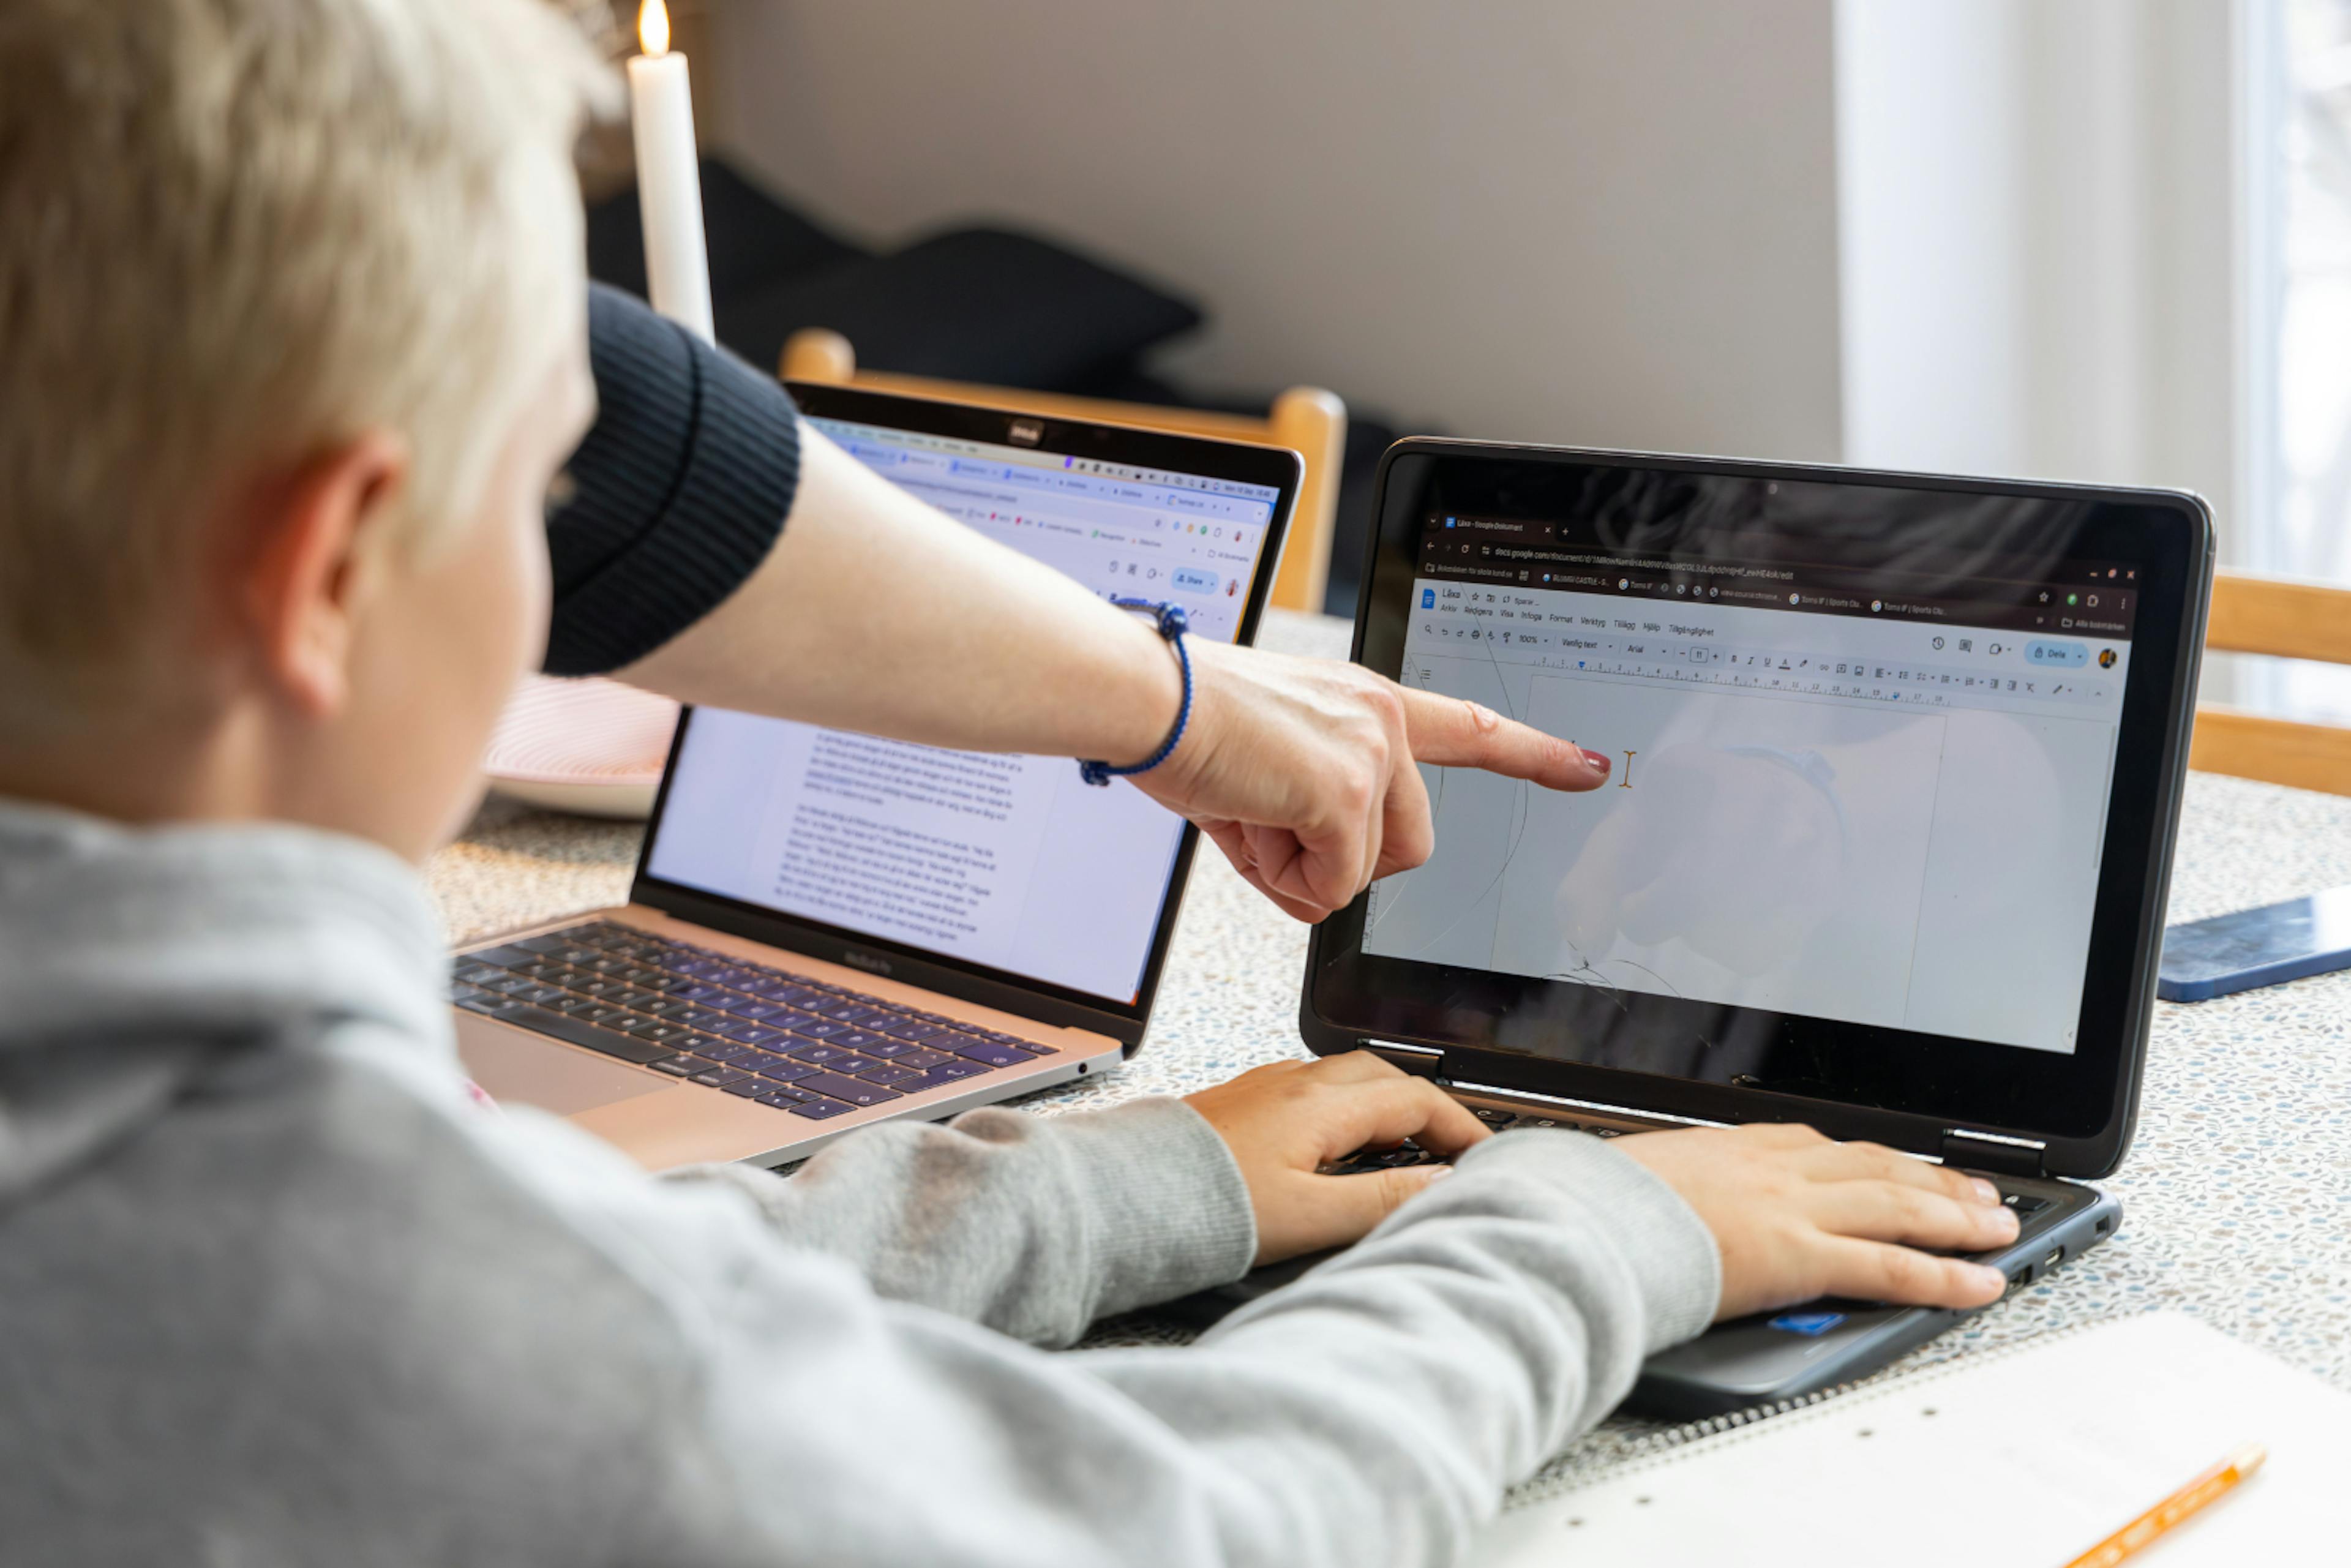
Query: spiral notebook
2029, 1457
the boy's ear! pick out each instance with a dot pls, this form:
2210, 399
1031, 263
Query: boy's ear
320, 548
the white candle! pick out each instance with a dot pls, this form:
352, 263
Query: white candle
669, 182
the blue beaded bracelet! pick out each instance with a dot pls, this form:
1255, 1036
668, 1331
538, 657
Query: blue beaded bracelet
1172, 624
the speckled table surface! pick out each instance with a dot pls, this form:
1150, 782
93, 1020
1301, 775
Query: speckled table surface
2236, 1195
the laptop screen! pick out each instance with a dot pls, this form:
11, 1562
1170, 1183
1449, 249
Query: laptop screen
1010, 864
1867, 794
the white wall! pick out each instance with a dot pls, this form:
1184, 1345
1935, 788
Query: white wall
1596, 221
2038, 239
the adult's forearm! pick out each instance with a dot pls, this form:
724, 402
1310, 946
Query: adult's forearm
875, 612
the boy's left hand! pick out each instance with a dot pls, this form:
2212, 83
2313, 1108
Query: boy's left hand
1284, 1119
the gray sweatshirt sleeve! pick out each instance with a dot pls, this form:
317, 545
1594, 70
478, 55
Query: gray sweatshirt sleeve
1032, 1226
1371, 1413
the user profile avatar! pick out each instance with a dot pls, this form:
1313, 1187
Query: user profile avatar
2105, 658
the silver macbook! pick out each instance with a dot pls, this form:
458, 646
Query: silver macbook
827, 930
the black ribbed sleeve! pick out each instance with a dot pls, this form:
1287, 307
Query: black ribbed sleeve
676, 495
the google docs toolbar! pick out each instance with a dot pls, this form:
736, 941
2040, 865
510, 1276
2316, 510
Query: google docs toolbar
1769, 653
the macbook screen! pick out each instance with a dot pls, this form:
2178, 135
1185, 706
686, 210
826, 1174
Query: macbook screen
1009, 862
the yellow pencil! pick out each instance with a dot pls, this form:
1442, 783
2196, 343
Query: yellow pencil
2186, 1500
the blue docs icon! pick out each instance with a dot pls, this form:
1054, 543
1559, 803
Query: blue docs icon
1449, 522
1428, 598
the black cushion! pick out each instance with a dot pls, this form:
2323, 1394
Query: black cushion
754, 238
980, 304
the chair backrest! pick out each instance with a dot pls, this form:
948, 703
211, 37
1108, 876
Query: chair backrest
1307, 419
2284, 620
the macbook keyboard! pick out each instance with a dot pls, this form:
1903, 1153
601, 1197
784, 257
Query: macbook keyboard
714, 1019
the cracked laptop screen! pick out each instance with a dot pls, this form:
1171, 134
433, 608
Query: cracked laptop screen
1873, 795
1009, 862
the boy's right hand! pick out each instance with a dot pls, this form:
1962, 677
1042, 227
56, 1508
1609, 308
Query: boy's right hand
1796, 1215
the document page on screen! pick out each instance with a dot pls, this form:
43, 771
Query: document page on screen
1011, 863
1862, 808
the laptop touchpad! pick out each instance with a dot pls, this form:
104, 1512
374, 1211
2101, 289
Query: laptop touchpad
516, 1068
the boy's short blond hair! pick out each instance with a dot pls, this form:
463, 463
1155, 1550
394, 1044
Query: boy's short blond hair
234, 233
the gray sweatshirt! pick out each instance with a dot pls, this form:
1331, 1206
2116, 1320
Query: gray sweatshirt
275, 1288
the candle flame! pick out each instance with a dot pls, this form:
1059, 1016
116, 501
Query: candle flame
652, 27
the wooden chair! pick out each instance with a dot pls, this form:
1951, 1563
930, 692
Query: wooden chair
2289, 621
1309, 420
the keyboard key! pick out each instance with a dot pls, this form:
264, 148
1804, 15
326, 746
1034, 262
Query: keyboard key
750, 1008
822, 1055
786, 1070
695, 967
818, 1109
993, 1054
1493, 1117
912, 1029
476, 1000
572, 1031
819, 1029
748, 1088
711, 1046
697, 991
602, 1012
664, 983
656, 1033
876, 1044
660, 1006
695, 1017
720, 1077
539, 995
682, 1066
944, 1072
773, 989
834, 1087
798, 994
553, 942
471, 972
921, 1058
506, 985
750, 1033
841, 1010
852, 1065
888, 1075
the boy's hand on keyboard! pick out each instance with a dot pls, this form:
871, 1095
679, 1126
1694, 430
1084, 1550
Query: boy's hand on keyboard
1283, 1121
1797, 1217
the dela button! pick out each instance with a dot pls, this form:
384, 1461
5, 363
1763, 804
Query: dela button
1191, 579
2062, 655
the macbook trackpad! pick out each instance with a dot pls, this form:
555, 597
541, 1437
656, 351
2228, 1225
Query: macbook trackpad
515, 1067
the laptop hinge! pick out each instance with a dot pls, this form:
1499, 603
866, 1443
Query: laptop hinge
1993, 1152
1420, 1060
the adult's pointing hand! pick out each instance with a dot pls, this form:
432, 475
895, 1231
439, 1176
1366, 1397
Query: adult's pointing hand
1302, 769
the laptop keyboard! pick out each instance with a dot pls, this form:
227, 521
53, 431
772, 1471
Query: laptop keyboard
768, 1035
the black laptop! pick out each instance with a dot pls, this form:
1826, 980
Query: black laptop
1897, 766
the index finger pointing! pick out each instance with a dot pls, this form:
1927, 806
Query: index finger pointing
1452, 733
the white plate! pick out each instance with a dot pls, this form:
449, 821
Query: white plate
595, 747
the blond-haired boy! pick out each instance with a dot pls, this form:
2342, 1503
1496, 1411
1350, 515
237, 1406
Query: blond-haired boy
291, 345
